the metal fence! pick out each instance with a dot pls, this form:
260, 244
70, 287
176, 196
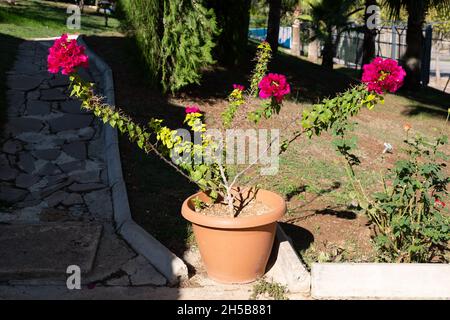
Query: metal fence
390, 42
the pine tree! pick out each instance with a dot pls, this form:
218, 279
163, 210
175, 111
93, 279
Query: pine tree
186, 43
145, 18
175, 38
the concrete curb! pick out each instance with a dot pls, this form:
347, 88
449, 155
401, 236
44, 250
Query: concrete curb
288, 269
358, 280
380, 281
168, 264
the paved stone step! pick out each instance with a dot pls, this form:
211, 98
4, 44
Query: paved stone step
33, 251
131, 293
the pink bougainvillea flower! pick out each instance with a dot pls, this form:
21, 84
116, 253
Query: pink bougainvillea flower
66, 55
274, 85
383, 75
439, 203
192, 109
239, 87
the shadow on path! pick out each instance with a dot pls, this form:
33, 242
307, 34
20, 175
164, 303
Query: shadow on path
8, 50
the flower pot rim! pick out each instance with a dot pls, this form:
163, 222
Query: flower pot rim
272, 216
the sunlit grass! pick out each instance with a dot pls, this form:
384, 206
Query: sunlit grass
39, 19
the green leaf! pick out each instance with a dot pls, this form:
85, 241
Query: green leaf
196, 175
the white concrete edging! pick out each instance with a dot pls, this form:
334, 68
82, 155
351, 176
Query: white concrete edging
358, 280
167, 263
288, 269
380, 281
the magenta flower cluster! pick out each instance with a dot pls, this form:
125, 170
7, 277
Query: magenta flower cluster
274, 85
239, 87
192, 109
66, 55
383, 75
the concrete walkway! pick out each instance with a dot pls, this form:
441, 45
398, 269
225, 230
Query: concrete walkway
55, 204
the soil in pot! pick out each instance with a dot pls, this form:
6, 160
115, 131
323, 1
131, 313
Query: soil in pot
253, 207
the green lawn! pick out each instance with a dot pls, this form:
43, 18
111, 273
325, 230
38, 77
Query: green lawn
39, 19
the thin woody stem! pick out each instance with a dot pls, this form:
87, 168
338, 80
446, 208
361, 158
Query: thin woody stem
95, 101
229, 196
155, 150
239, 174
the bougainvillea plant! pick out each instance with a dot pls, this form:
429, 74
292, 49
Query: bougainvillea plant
383, 75
213, 176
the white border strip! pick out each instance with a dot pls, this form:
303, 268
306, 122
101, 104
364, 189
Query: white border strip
380, 281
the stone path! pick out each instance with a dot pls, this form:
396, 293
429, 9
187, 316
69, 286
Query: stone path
53, 175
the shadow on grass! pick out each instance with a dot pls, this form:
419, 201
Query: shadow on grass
343, 214
301, 237
301, 240
297, 190
8, 50
418, 109
303, 188
312, 81
430, 101
309, 82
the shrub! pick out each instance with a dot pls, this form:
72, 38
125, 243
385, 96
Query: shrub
144, 18
410, 226
174, 37
407, 214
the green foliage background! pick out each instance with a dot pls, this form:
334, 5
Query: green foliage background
175, 38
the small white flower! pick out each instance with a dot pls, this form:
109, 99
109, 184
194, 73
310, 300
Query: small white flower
387, 148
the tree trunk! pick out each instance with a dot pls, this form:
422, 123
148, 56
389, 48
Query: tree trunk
438, 46
369, 35
233, 18
313, 50
328, 52
412, 59
273, 24
295, 42
313, 47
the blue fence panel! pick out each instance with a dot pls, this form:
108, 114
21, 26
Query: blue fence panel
284, 37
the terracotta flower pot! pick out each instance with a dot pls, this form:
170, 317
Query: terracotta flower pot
235, 250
